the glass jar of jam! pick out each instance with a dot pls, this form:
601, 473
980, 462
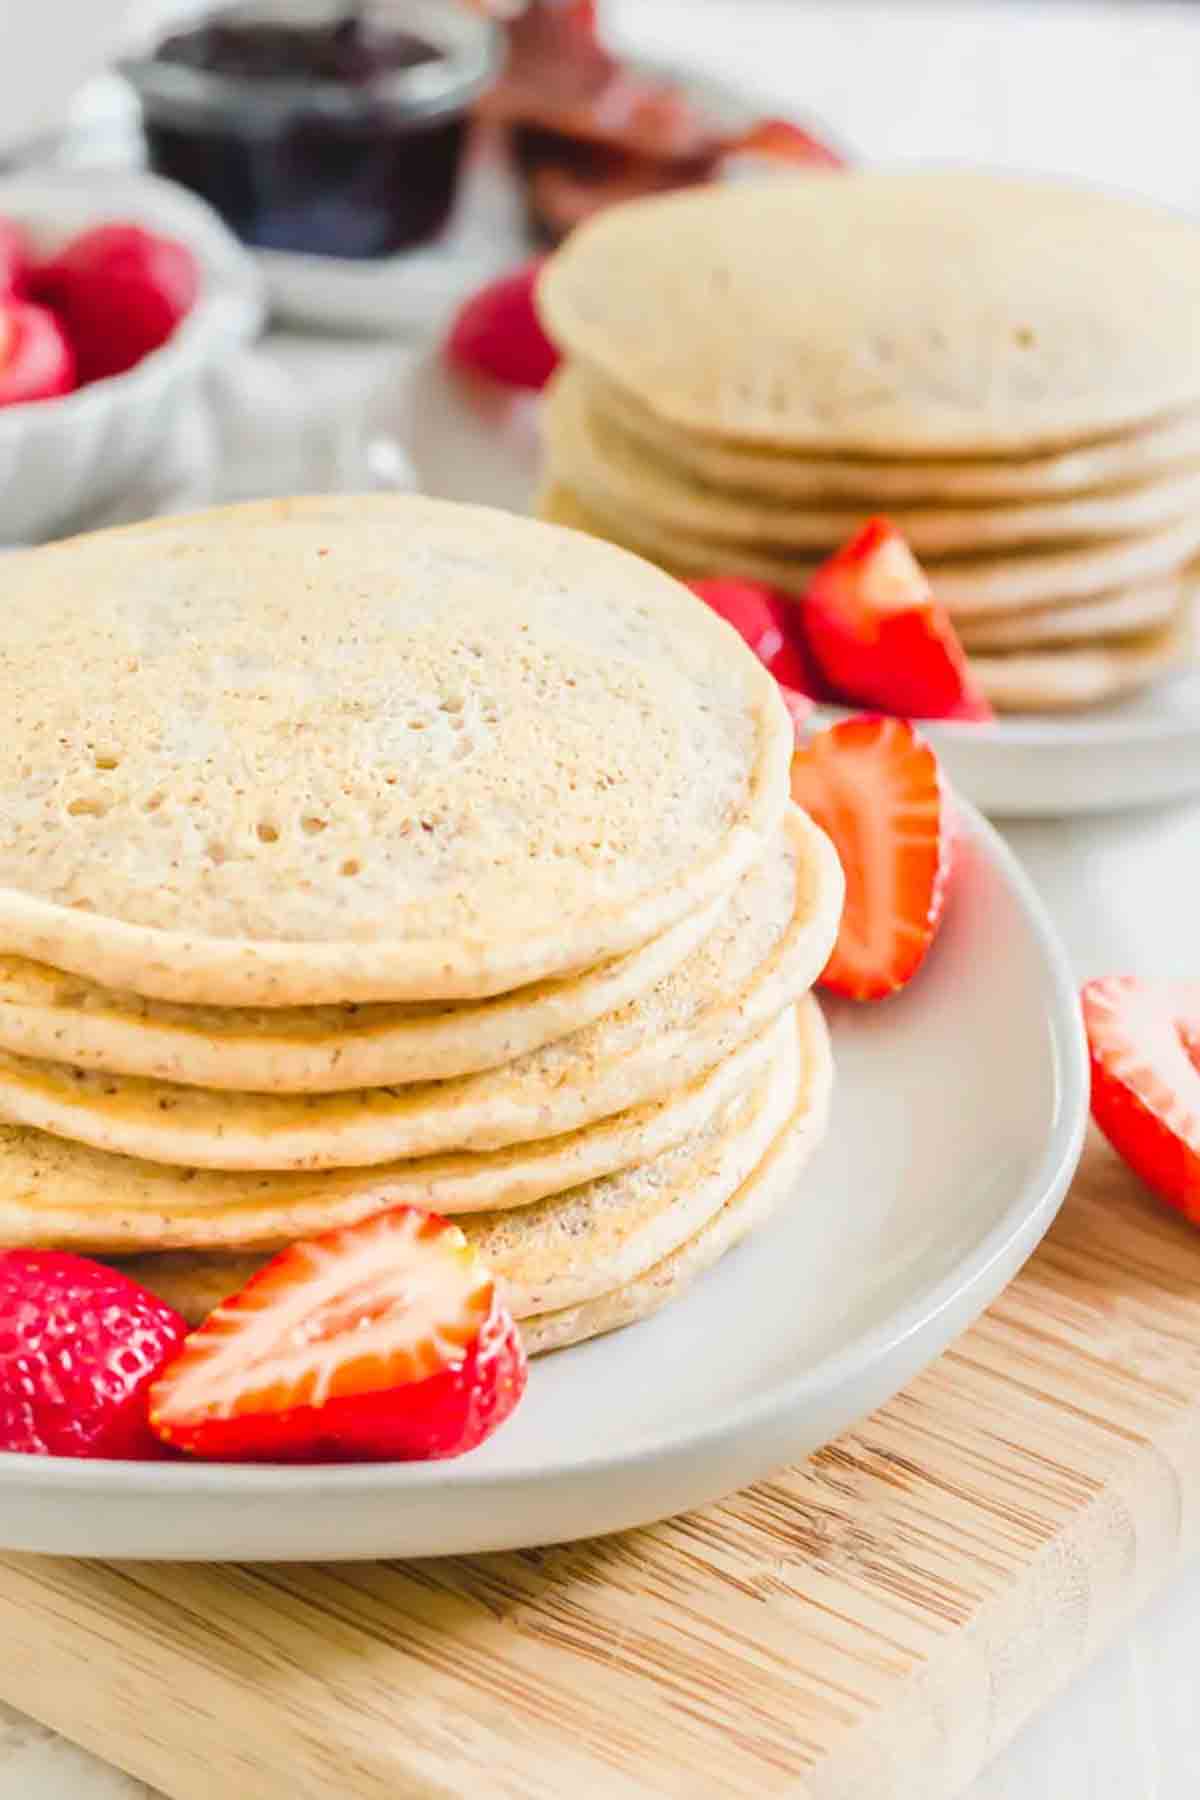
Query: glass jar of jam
312, 126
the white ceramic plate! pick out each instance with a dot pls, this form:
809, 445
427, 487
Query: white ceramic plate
467, 441
957, 1124
1136, 752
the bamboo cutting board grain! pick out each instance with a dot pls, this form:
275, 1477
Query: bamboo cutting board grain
872, 1625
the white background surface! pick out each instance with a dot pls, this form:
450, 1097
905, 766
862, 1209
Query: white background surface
1109, 92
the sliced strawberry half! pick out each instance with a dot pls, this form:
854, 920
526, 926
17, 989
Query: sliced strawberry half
876, 787
1144, 1038
385, 1341
770, 624
881, 639
497, 333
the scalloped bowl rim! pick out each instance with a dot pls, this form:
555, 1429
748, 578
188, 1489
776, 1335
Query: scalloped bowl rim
230, 304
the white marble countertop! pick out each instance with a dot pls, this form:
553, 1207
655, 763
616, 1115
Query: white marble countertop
1109, 92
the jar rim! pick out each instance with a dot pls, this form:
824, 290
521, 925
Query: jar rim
467, 47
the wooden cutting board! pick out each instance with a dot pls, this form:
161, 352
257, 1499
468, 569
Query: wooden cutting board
872, 1625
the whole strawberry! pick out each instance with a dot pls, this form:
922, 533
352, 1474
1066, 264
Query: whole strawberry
770, 624
497, 333
79, 1346
119, 292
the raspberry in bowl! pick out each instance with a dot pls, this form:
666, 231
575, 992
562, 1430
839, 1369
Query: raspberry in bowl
119, 297
118, 292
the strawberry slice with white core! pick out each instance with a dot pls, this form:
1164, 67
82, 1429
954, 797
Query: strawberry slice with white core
382, 1341
876, 788
1144, 1038
879, 636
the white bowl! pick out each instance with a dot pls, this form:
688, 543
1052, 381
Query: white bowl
63, 461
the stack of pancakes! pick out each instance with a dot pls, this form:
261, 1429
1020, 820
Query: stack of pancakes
357, 852
1010, 368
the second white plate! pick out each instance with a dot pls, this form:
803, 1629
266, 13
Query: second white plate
430, 430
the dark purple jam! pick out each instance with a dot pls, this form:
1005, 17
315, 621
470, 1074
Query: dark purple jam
350, 189
310, 136
347, 49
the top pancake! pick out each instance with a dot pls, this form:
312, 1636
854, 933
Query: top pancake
928, 312
366, 749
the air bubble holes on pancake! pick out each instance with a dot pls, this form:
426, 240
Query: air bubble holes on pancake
405, 713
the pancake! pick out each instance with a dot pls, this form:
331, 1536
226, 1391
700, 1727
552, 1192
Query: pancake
195, 1283
366, 749
968, 586
873, 482
998, 584
610, 472
771, 1186
899, 312
1116, 615
576, 1246
1082, 675
67, 1196
770, 945
49, 1014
